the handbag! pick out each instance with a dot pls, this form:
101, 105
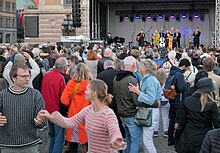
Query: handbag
143, 117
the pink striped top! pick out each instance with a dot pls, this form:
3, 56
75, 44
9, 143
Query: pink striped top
101, 127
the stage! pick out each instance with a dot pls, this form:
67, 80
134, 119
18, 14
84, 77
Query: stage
126, 18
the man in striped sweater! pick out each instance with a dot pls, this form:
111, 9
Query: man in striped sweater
19, 106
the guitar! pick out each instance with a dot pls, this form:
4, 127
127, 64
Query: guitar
138, 38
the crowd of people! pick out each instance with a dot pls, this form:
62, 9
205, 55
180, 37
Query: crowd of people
89, 96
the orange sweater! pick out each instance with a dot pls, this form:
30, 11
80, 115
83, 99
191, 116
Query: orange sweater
78, 103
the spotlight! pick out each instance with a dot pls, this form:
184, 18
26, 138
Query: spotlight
160, 16
184, 16
137, 17
172, 16
178, 19
126, 17
149, 17
196, 15
202, 18
143, 18
121, 18
154, 19
132, 18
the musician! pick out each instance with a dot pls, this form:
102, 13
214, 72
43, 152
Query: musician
140, 38
109, 39
167, 37
196, 35
156, 37
177, 36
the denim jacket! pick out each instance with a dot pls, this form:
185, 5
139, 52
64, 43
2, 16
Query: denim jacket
150, 90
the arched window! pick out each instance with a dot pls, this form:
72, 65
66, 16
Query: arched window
7, 38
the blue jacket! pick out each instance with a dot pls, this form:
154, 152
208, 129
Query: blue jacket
150, 90
181, 86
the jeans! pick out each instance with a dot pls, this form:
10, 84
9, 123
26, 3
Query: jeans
56, 138
132, 135
148, 143
164, 111
26, 149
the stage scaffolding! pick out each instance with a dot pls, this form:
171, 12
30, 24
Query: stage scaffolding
217, 24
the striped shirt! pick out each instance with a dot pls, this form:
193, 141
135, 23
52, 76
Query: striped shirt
101, 127
20, 109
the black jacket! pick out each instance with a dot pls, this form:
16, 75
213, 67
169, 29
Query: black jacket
194, 124
108, 76
211, 143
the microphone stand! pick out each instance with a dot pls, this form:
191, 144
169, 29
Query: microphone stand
149, 33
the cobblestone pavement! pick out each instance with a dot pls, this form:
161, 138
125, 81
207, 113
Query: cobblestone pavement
160, 143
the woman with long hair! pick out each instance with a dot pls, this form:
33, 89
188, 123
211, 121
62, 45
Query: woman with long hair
74, 97
165, 106
101, 123
198, 115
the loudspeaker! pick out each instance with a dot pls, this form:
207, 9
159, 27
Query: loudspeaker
31, 26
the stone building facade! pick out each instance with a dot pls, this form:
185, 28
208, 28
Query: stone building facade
8, 28
51, 14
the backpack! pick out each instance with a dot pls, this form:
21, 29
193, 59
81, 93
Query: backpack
169, 91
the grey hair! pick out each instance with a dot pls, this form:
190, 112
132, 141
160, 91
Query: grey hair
72, 71
60, 63
161, 76
108, 63
150, 66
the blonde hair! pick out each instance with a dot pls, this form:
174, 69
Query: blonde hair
101, 89
150, 66
204, 98
161, 76
81, 72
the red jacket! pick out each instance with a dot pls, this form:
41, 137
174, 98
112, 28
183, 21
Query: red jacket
53, 84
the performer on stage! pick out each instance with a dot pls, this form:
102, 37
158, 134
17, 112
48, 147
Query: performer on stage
156, 37
167, 36
176, 37
196, 35
109, 39
140, 38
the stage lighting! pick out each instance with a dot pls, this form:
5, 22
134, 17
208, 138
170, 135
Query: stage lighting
202, 18
132, 18
121, 18
154, 19
149, 17
137, 17
172, 16
143, 19
196, 15
126, 17
160, 16
184, 16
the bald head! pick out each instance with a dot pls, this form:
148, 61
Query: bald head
130, 63
108, 63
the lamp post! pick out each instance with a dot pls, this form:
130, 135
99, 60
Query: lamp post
67, 25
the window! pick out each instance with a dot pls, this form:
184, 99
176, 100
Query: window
13, 8
8, 6
1, 6
7, 38
13, 23
1, 22
67, 2
8, 22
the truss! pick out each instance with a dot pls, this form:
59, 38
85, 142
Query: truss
217, 24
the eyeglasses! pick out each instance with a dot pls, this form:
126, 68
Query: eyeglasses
24, 76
